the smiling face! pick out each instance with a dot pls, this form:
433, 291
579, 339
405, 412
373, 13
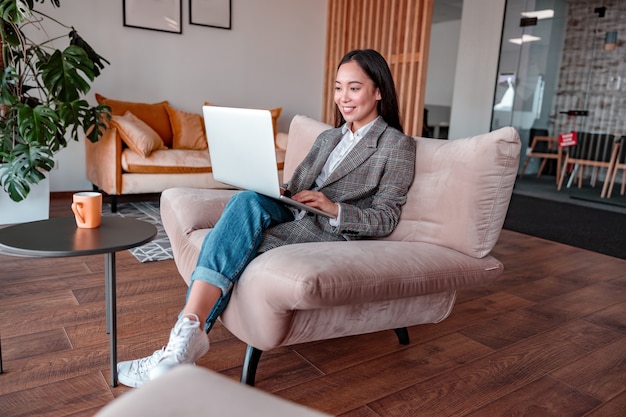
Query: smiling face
356, 96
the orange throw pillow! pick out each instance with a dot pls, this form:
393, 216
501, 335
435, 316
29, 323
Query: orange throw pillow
188, 129
154, 115
135, 133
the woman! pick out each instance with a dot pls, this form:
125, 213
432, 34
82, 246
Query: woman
359, 172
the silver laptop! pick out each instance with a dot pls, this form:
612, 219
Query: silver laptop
241, 144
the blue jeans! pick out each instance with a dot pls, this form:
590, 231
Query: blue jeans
233, 243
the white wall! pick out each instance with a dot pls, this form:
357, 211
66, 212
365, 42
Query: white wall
463, 64
442, 55
476, 67
273, 56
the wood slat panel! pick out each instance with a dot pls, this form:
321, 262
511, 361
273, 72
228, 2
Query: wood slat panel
400, 31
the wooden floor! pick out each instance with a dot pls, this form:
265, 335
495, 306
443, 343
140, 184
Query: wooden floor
548, 339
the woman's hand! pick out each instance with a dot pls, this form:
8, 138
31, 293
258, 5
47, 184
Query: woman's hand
318, 200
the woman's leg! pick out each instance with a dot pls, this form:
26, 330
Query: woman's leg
225, 253
201, 298
228, 249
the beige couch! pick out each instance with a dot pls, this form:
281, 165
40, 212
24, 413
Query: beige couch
305, 292
149, 147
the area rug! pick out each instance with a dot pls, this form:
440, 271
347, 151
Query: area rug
158, 249
593, 194
583, 227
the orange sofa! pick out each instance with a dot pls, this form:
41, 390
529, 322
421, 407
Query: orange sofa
150, 147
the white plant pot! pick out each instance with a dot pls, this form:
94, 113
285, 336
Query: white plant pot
35, 207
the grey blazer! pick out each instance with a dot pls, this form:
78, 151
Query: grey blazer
370, 184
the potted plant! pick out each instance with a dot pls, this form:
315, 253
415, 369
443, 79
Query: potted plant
41, 94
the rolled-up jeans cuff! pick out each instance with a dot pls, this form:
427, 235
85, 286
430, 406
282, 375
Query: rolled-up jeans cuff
211, 277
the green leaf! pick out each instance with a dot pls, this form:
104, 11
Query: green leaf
37, 126
66, 73
72, 115
8, 86
9, 34
14, 11
75, 39
96, 119
17, 188
27, 167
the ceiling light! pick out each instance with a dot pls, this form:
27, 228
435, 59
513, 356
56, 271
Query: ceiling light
540, 14
524, 39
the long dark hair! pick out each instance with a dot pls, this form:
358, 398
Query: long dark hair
377, 69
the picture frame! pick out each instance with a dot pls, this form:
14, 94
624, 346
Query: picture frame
159, 15
211, 13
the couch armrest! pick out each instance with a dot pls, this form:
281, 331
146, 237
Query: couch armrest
281, 139
191, 209
103, 161
185, 211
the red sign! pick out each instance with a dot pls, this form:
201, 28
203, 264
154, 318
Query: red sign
567, 139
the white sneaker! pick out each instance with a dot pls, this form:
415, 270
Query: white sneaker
136, 373
188, 342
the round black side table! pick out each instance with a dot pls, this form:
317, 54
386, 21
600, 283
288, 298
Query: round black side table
60, 237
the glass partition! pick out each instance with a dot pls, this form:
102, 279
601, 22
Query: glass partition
528, 70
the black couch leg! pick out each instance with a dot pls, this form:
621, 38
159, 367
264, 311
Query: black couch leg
250, 363
403, 335
113, 203
253, 355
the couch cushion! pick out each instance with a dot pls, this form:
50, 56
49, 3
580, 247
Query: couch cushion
170, 161
155, 114
137, 135
302, 133
188, 130
461, 191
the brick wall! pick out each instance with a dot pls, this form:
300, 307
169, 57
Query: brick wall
592, 78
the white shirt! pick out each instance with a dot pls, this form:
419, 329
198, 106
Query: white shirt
347, 143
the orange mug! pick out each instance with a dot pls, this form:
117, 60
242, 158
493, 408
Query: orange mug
87, 208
